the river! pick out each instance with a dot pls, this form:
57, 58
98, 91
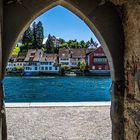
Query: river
57, 89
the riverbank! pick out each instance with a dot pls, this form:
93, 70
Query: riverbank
59, 123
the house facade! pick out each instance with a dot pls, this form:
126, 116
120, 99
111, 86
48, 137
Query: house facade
11, 66
49, 63
20, 59
71, 57
76, 56
32, 61
64, 57
97, 60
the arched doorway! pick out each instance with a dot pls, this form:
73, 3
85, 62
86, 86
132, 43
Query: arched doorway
102, 18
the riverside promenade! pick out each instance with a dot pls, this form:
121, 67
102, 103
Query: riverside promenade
58, 121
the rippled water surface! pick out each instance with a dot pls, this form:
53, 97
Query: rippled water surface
56, 89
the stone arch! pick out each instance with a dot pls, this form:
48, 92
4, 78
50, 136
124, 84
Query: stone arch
102, 18
94, 19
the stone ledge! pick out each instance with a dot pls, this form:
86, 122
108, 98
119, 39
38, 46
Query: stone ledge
55, 104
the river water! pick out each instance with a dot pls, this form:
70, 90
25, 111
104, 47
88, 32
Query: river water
57, 89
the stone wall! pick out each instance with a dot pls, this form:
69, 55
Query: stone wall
130, 12
132, 70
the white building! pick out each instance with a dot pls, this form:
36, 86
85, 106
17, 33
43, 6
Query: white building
49, 63
32, 61
37, 61
71, 57
64, 57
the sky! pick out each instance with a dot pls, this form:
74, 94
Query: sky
62, 23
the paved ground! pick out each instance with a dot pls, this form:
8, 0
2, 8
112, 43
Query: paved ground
61, 123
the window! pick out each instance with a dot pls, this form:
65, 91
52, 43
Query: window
35, 68
42, 68
50, 68
46, 68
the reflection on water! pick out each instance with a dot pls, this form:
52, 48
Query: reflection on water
57, 89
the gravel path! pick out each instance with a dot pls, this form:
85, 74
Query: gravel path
59, 123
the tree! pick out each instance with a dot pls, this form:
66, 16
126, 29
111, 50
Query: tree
82, 65
82, 44
87, 44
73, 44
91, 41
62, 41
64, 45
16, 51
38, 35
27, 37
94, 42
49, 44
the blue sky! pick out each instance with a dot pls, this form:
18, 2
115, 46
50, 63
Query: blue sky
61, 22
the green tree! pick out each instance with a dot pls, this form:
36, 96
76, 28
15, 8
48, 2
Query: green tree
49, 45
82, 44
27, 37
82, 65
73, 44
88, 44
64, 45
91, 41
38, 34
62, 41
16, 51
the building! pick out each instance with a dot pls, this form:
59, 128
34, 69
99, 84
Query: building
97, 60
49, 63
56, 41
32, 61
77, 55
11, 66
64, 56
71, 56
20, 58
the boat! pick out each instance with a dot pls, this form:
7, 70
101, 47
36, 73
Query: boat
70, 74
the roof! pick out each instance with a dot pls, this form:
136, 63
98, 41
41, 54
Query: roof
21, 56
64, 52
72, 52
78, 53
13, 58
38, 55
34, 55
49, 57
92, 46
31, 52
89, 50
99, 50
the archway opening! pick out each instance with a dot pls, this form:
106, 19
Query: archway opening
68, 51
91, 84
101, 37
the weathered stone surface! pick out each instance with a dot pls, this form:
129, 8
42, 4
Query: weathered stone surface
131, 25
